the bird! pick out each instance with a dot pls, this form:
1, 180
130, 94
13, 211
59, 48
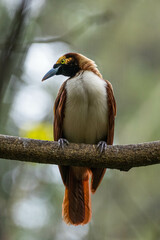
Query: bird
84, 112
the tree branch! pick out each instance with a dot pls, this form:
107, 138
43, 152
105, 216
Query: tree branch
122, 157
73, 33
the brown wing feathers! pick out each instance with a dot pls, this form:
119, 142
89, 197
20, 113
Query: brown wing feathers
111, 113
97, 174
59, 107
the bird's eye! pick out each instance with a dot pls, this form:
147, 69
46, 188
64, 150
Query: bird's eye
62, 61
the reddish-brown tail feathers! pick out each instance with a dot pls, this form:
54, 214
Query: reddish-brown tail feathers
76, 207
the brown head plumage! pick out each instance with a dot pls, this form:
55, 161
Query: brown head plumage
83, 62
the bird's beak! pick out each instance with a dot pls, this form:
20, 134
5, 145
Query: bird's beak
51, 73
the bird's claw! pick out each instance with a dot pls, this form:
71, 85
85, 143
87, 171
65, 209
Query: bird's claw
62, 142
101, 147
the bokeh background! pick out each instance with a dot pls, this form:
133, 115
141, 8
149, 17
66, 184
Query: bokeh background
123, 37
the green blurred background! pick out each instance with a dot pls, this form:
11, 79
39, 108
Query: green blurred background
123, 38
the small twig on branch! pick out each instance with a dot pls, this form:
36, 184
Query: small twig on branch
122, 157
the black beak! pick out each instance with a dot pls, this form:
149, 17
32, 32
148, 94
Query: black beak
51, 73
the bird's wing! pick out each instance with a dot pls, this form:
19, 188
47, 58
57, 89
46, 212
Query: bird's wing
111, 113
98, 173
59, 107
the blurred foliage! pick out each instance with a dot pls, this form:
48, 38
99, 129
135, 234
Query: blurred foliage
123, 37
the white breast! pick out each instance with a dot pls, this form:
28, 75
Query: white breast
86, 109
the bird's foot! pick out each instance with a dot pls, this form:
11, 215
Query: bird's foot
101, 147
62, 142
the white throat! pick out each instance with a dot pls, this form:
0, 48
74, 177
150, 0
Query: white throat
86, 110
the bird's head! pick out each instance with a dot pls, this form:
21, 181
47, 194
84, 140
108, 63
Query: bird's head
66, 65
71, 63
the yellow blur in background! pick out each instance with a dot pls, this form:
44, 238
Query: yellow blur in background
42, 131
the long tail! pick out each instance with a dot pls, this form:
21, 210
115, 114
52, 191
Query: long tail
76, 207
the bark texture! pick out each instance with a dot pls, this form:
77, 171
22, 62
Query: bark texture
122, 157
